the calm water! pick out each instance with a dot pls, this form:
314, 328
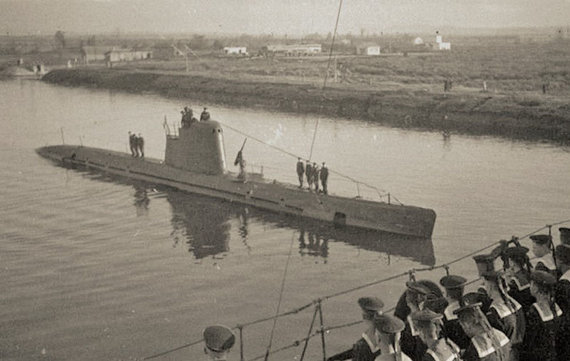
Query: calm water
95, 267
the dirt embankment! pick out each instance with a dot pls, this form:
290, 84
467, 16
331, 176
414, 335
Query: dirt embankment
528, 117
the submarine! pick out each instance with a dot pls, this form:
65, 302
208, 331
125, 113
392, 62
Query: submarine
195, 162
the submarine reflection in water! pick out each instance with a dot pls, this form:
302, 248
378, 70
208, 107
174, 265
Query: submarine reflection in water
206, 224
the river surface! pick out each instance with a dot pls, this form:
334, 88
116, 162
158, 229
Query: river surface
95, 267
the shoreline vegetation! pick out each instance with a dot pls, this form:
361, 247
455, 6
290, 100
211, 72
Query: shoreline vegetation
501, 87
515, 116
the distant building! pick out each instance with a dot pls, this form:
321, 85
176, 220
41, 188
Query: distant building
94, 53
370, 50
293, 50
235, 50
164, 51
119, 55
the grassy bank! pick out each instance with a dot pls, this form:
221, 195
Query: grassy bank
517, 115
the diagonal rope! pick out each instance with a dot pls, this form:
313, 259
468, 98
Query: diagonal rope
280, 298
381, 193
332, 44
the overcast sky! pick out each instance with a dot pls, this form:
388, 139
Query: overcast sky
273, 16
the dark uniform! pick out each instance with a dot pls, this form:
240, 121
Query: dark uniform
454, 286
545, 262
324, 178
562, 298
365, 349
485, 345
316, 172
309, 174
132, 144
205, 115
542, 323
219, 340
300, 172
140, 145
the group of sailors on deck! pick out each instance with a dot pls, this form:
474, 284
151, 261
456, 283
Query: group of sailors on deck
313, 174
521, 313
136, 145
188, 116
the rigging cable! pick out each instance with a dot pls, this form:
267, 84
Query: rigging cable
280, 298
332, 45
326, 74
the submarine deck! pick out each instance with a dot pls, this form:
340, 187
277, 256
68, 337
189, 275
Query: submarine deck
270, 195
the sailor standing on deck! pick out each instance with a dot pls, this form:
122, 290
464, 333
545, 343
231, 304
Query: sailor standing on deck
367, 347
541, 249
439, 348
562, 297
241, 162
389, 329
140, 145
132, 144
309, 174
416, 296
517, 266
218, 342
542, 320
324, 178
505, 314
300, 171
487, 343
205, 115
316, 172
454, 286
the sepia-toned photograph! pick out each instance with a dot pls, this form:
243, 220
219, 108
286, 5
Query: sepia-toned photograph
285, 180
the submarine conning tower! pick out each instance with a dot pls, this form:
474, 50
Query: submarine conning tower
198, 148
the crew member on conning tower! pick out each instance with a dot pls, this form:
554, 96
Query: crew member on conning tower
205, 115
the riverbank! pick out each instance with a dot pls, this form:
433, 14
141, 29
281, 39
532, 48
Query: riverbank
516, 115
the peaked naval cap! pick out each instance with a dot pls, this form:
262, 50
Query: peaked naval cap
453, 281
516, 253
470, 301
370, 303
219, 338
389, 324
418, 288
426, 315
485, 262
541, 238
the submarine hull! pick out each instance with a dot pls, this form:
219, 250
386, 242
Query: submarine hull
271, 196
